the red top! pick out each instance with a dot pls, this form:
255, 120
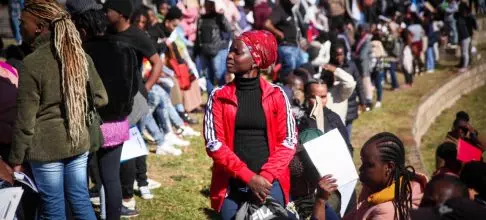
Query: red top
219, 129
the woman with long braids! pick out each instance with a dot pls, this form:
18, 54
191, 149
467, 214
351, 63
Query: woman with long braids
50, 131
390, 189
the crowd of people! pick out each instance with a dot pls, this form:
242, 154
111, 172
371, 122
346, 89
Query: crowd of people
276, 73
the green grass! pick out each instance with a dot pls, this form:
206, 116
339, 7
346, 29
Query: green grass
185, 179
473, 103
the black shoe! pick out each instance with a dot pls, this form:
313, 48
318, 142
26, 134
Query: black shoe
128, 213
185, 116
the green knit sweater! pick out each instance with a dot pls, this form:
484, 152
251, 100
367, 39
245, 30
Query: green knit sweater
41, 132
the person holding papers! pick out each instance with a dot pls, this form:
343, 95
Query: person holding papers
390, 189
249, 130
50, 130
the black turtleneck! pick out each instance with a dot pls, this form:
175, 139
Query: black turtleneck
250, 143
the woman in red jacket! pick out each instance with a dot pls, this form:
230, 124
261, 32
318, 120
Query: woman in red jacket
249, 130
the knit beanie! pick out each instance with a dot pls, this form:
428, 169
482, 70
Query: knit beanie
123, 7
75, 7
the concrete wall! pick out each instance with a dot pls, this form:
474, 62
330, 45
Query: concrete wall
436, 101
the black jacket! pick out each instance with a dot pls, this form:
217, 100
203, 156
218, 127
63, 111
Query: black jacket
358, 92
116, 64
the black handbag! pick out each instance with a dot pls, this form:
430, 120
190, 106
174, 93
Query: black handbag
93, 122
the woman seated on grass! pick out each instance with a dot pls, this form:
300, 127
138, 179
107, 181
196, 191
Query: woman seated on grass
390, 189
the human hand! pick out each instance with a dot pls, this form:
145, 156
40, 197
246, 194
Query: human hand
17, 168
260, 187
330, 67
280, 36
326, 186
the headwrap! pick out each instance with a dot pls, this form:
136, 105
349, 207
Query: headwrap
262, 46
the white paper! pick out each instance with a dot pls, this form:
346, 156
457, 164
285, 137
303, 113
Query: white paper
346, 192
9, 202
330, 155
24, 179
134, 147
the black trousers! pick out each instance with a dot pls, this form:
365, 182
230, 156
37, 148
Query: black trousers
109, 169
131, 170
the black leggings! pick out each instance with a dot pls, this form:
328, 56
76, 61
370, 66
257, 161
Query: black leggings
133, 169
109, 167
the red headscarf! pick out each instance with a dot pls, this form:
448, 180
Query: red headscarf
262, 46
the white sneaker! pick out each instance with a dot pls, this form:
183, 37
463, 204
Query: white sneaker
130, 204
188, 131
152, 184
168, 149
147, 136
145, 193
378, 105
173, 139
95, 201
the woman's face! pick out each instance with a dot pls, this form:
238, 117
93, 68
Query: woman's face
152, 19
163, 9
374, 173
29, 27
141, 22
239, 59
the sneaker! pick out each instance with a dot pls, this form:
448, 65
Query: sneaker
145, 193
130, 204
152, 184
168, 149
430, 71
378, 105
173, 139
147, 136
128, 213
95, 201
188, 131
462, 70
187, 118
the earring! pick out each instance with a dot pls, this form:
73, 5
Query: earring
37, 31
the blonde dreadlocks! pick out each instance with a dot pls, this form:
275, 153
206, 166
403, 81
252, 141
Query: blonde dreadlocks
71, 56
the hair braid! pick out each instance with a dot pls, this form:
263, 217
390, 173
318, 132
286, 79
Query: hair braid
73, 61
392, 150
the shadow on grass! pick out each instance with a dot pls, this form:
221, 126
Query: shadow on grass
205, 192
210, 214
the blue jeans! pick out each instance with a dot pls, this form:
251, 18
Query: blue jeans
233, 202
214, 68
15, 8
379, 87
451, 23
393, 75
430, 58
62, 179
291, 58
159, 101
149, 123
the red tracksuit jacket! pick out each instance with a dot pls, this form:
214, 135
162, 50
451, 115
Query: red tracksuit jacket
219, 130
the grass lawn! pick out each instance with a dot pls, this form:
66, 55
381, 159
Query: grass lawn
473, 103
185, 179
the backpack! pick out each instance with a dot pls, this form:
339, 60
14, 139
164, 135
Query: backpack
209, 36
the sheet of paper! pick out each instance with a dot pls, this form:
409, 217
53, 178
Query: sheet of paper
346, 192
134, 147
9, 202
330, 155
24, 179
